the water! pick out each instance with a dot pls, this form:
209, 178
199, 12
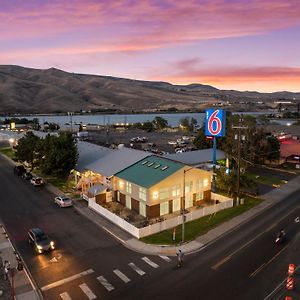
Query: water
173, 119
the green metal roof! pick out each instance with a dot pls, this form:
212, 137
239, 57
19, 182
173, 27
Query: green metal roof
149, 171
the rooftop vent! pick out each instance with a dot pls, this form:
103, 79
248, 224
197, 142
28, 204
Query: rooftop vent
144, 162
157, 166
151, 164
164, 168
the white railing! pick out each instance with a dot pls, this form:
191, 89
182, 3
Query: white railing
166, 224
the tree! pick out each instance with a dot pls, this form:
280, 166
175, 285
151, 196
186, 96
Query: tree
185, 124
58, 155
160, 123
27, 148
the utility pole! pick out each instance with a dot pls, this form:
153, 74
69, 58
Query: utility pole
239, 137
182, 207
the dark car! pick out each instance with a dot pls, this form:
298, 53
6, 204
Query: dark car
40, 240
27, 176
19, 170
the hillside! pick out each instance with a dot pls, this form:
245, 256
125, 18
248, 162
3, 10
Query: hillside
26, 90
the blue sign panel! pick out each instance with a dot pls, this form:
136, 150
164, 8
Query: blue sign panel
215, 120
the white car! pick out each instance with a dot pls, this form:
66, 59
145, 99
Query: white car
37, 181
63, 201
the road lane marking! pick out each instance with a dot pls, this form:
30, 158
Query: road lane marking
150, 262
166, 258
121, 275
87, 291
115, 236
221, 262
136, 269
105, 283
65, 296
267, 263
68, 279
279, 286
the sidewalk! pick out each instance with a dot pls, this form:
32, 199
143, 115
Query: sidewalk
134, 244
18, 282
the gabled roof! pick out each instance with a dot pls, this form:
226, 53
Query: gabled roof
89, 153
116, 160
149, 171
196, 157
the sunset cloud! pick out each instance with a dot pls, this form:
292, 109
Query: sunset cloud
131, 36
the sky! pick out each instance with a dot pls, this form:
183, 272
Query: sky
249, 45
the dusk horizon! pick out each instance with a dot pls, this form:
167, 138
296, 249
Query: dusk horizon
230, 45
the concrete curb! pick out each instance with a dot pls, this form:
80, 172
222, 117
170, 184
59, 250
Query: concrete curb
23, 279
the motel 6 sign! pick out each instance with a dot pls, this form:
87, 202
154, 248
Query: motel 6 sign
215, 122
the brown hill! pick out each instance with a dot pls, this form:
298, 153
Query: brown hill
26, 90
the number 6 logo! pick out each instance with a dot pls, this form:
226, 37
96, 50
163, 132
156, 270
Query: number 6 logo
215, 122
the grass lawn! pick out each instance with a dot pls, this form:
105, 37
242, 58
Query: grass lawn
8, 152
200, 226
266, 180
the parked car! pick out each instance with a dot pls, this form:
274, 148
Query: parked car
63, 201
27, 176
37, 181
19, 170
40, 240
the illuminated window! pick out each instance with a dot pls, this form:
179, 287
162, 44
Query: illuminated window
143, 194
199, 196
163, 193
121, 185
188, 201
176, 190
128, 188
205, 182
128, 201
188, 187
176, 204
142, 209
164, 208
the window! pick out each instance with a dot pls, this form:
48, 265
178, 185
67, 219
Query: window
199, 196
188, 201
164, 208
163, 193
143, 194
199, 185
128, 202
128, 188
176, 204
176, 190
121, 184
205, 182
188, 187
143, 209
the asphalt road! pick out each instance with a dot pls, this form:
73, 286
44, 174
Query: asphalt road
244, 264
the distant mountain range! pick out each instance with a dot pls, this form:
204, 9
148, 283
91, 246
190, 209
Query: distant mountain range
26, 90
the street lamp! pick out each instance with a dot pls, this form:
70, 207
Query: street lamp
183, 204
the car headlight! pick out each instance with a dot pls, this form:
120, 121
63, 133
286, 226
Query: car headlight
39, 247
52, 244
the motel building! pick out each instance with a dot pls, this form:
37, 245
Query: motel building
153, 187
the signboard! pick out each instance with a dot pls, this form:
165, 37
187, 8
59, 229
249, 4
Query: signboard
215, 122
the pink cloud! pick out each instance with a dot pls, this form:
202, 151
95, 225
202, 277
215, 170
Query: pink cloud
171, 22
263, 78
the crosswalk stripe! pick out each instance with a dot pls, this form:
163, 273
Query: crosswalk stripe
166, 258
150, 262
65, 296
121, 275
68, 279
105, 283
87, 291
136, 268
